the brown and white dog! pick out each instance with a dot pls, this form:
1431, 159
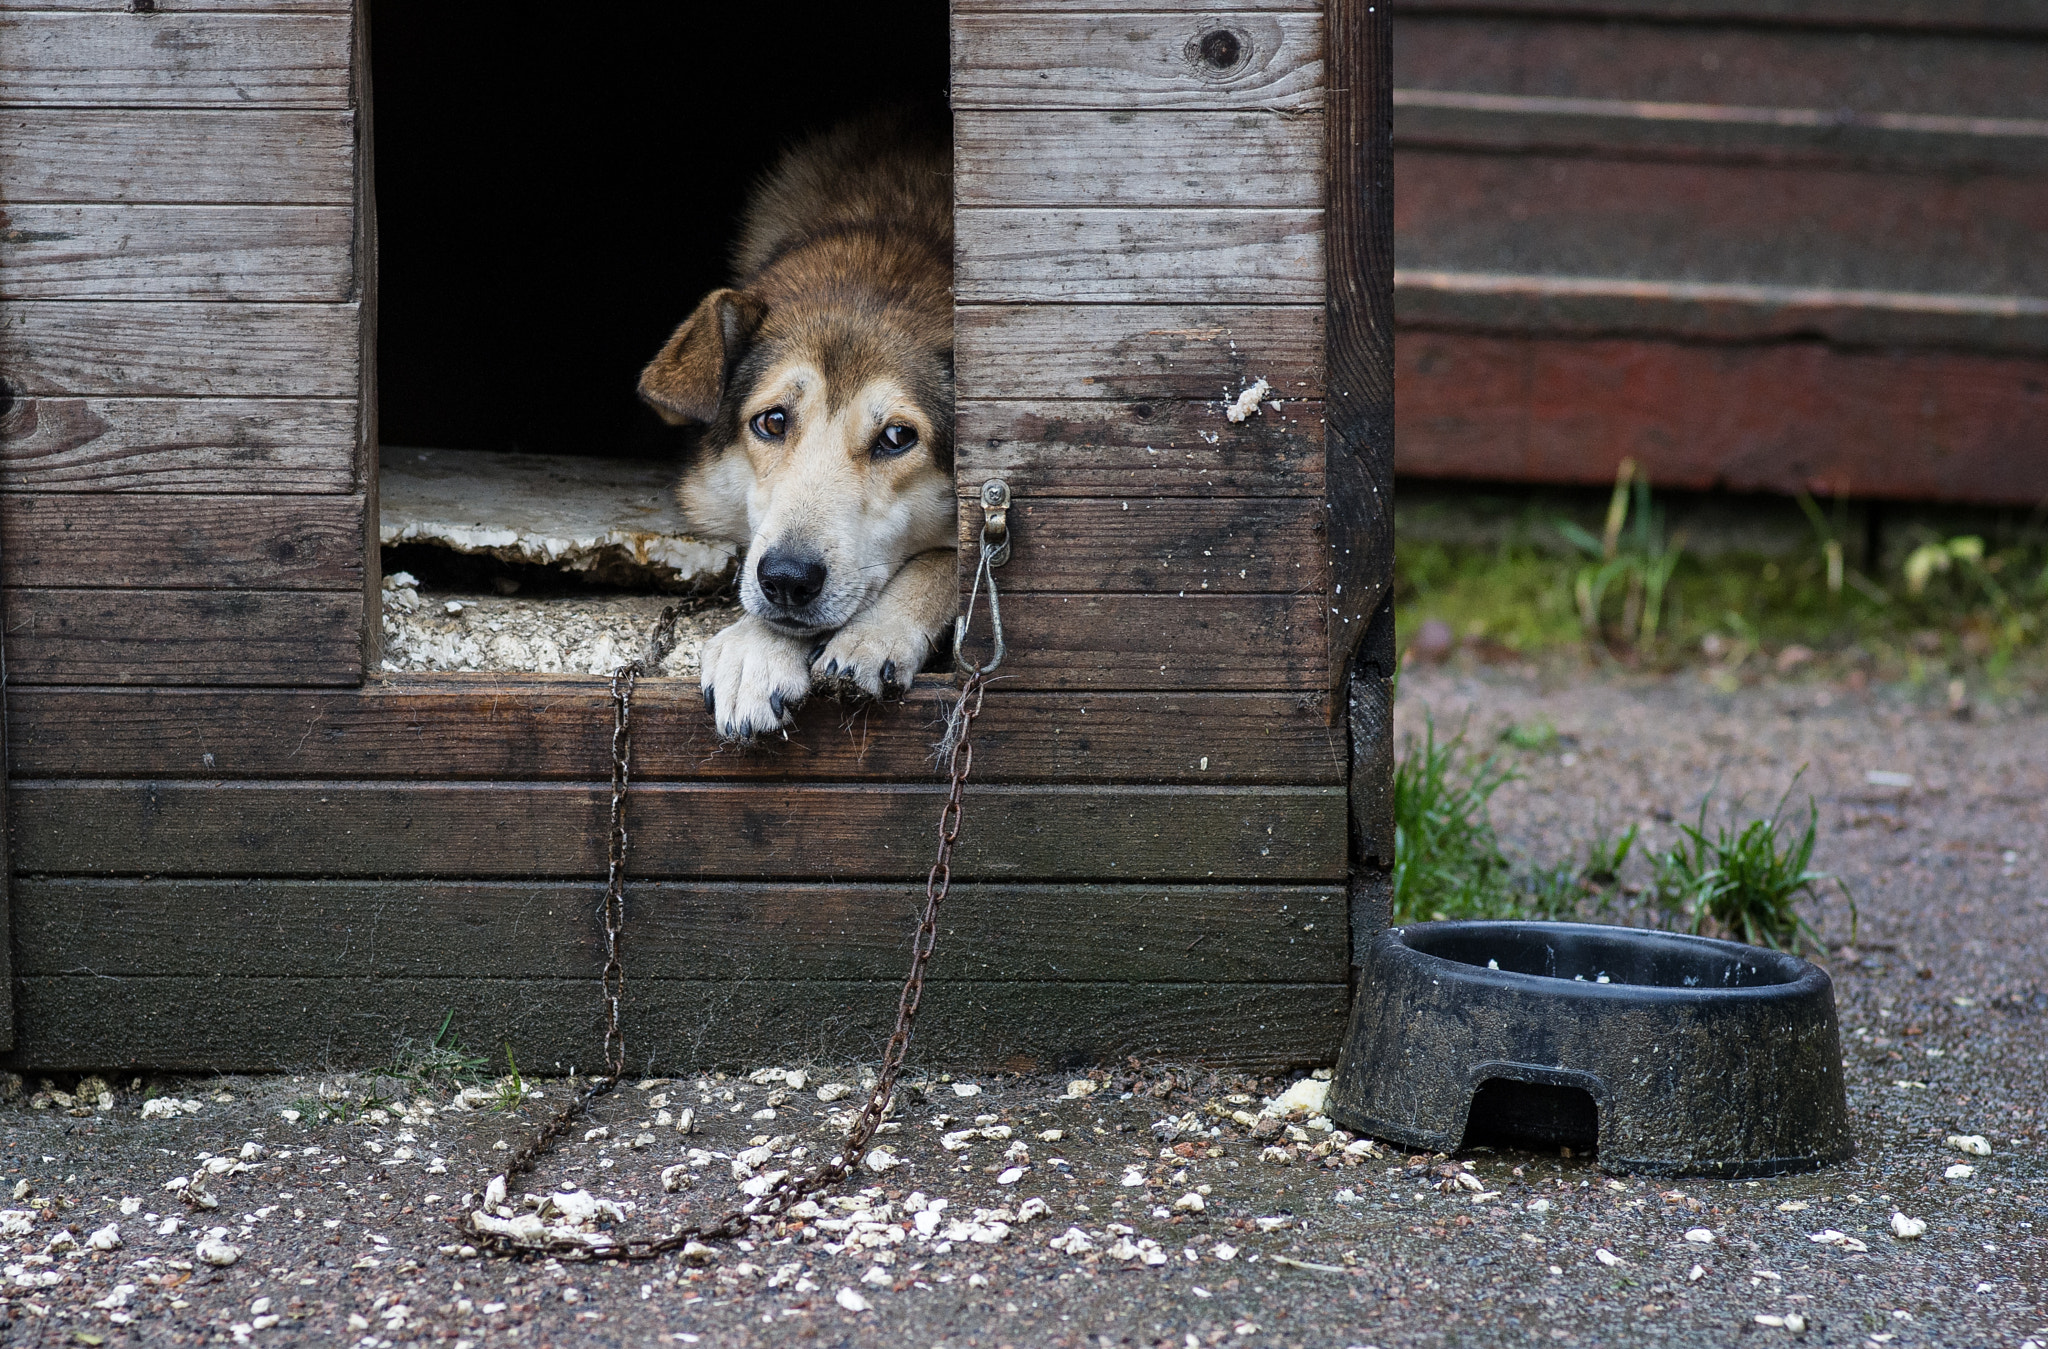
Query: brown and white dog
822, 386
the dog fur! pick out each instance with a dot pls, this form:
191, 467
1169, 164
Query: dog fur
802, 380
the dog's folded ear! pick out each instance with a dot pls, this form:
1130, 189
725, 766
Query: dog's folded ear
683, 382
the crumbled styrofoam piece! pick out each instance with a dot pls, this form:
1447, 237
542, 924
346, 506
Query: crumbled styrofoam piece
1248, 400
1306, 1097
572, 634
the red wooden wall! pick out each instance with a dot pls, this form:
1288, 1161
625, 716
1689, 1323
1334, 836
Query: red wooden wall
1761, 245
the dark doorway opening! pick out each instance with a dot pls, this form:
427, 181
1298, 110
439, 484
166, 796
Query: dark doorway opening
556, 188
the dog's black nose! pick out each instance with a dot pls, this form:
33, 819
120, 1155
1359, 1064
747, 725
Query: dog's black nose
790, 579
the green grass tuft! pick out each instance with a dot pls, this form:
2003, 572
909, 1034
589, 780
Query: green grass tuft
441, 1061
1447, 862
1745, 882
1740, 881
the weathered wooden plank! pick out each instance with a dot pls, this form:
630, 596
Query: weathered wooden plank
456, 727
176, 253
1270, 61
1154, 545
1771, 228
161, 56
183, 637
259, 1025
1165, 641
6, 881
178, 445
369, 436
1102, 159
2008, 16
770, 831
175, 155
106, 541
1131, 450
1769, 417
1604, 306
50, 347
1722, 72
714, 931
183, 6
1137, 352
1823, 137
1046, 256
1360, 302
993, 7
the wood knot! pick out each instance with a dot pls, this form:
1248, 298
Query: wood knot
1219, 51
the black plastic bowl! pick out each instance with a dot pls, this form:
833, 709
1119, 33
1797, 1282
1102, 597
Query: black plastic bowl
1675, 1055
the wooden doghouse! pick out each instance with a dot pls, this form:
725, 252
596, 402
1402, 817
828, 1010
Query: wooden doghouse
236, 845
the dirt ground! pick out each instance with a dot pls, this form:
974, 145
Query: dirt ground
1166, 1219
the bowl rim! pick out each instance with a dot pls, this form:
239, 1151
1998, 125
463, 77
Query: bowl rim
1802, 978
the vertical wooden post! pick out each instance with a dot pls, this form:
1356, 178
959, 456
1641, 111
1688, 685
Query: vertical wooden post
1359, 234
1359, 239
6, 842
366, 296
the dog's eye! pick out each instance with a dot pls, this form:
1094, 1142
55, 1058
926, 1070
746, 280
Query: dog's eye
770, 425
894, 440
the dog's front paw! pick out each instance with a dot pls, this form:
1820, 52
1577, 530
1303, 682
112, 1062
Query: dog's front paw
874, 653
753, 677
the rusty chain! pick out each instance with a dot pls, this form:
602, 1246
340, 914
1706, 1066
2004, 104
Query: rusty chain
958, 751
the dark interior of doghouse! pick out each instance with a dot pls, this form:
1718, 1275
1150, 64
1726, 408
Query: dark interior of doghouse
554, 194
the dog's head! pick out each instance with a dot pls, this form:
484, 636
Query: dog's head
827, 446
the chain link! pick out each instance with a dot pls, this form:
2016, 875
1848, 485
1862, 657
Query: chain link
958, 748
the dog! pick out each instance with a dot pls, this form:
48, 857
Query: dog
819, 389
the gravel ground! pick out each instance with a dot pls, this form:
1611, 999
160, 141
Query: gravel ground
1167, 1218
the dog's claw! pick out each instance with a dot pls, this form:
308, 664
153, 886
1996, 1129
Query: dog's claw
775, 702
888, 678
709, 705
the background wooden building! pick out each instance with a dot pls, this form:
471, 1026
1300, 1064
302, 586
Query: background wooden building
1759, 245
235, 845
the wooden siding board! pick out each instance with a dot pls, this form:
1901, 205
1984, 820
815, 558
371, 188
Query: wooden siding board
1996, 16
1015, 7
1146, 545
181, 6
183, 637
1165, 641
172, 57
1137, 352
1721, 66
101, 541
710, 931
855, 832
508, 728
1754, 225
1158, 449
177, 253
177, 156
86, 348
1779, 417
1126, 159
149, 445
1029, 255
1823, 138
276, 1024
1124, 60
